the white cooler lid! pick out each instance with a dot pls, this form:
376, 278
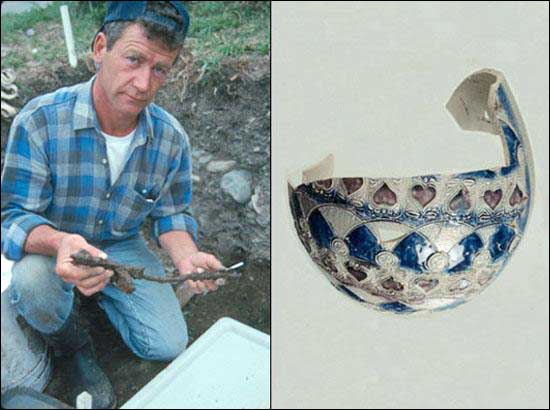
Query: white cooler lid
228, 366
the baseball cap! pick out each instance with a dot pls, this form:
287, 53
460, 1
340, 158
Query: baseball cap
132, 10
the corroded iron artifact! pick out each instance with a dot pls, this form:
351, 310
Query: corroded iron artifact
124, 275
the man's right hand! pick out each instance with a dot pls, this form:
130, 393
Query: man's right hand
87, 279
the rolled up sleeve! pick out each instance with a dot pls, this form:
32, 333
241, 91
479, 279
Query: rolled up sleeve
26, 187
172, 210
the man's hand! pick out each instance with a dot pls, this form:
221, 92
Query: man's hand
199, 262
87, 279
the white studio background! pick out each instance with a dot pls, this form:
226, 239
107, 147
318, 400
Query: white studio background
368, 82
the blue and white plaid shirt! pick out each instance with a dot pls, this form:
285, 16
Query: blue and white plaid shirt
56, 173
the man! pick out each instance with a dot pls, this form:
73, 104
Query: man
84, 166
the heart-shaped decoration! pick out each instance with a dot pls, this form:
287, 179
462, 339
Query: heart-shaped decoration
516, 197
423, 195
325, 183
460, 285
352, 184
391, 284
426, 284
384, 195
461, 201
356, 271
492, 198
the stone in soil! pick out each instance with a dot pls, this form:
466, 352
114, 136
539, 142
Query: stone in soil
220, 166
238, 184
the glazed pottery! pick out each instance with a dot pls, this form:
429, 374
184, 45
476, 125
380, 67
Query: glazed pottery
427, 242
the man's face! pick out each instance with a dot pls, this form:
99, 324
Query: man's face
133, 71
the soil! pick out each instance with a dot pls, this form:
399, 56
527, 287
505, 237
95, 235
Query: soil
227, 117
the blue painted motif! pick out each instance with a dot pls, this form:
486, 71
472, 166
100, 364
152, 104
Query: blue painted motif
396, 307
500, 241
512, 144
363, 244
462, 254
487, 173
503, 98
348, 292
320, 229
295, 207
413, 251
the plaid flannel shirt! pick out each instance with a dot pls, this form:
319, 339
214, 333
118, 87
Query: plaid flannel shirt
56, 173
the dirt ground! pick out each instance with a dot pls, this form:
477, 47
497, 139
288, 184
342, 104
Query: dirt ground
227, 117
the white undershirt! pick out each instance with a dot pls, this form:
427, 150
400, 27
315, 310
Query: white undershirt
117, 152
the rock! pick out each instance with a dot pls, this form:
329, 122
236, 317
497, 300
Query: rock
197, 153
238, 184
220, 166
391, 284
263, 219
195, 178
205, 158
30, 32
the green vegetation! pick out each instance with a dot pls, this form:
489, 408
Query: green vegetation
228, 29
219, 29
47, 45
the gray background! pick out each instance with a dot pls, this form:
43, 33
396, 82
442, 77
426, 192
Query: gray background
368, 82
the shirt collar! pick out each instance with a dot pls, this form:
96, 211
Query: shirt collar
85, 115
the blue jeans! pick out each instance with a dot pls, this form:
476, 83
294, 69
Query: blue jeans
149, 320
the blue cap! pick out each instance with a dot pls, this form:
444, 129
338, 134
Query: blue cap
132, 10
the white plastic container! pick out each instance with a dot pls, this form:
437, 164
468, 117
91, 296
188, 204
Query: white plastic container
227, 367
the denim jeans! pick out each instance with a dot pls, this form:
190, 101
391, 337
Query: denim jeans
149, 320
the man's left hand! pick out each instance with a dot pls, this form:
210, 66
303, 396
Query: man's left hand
200, 262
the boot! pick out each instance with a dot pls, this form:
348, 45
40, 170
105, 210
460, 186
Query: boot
74, 345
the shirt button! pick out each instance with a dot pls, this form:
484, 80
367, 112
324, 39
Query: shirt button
104, 160
144, 191
101, 222
108, 196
